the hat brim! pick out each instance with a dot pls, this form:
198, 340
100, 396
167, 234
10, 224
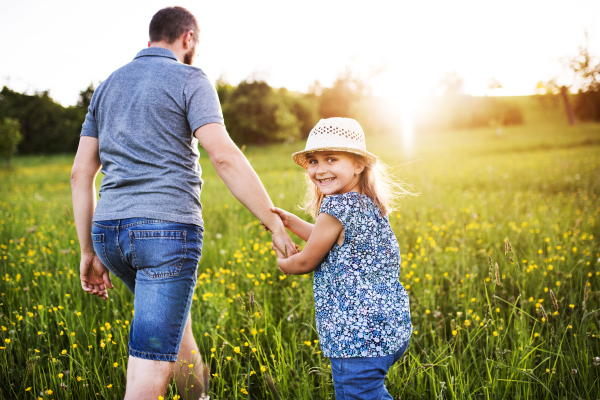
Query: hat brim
300, 157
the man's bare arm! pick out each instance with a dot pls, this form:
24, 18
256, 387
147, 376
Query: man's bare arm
94, 276
239, 177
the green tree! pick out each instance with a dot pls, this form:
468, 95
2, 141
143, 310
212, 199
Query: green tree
47, 127
587, 77
85, 97
339, 100
256, 113
10, 137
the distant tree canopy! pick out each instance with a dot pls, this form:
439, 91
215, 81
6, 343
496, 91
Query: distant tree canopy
10, 137
254, 112
47, 127
587, 74
257, 113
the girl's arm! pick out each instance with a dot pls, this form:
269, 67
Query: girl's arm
324, 234
296, 225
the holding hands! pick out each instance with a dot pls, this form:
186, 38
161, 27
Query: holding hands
319, 240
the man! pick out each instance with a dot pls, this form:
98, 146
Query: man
142, 128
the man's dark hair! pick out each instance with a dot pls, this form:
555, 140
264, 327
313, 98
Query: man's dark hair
170, 23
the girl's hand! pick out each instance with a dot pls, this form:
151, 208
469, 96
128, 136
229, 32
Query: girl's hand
285, 216
282, 260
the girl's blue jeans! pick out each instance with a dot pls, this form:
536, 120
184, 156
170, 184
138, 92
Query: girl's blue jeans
361, 378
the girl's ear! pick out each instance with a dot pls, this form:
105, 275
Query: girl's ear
359, 164
358, 168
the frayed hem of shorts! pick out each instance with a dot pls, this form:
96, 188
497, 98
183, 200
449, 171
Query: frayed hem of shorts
152, 356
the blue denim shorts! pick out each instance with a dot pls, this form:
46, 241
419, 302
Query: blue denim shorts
361, 378
157, 260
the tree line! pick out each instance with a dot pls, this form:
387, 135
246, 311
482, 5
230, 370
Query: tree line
254, 112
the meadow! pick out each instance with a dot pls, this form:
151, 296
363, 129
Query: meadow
500, 258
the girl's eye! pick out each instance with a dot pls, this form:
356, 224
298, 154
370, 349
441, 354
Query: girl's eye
329, 159
312, 161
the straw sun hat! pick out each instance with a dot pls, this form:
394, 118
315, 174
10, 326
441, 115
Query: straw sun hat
335, 134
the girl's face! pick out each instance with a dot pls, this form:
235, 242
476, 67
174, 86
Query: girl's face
334, 172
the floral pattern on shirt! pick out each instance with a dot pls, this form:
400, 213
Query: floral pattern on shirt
361, 307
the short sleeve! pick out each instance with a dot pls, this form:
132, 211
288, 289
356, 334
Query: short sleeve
338, 206
202, 101
90, 128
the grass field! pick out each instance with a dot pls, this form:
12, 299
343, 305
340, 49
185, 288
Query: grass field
480, 331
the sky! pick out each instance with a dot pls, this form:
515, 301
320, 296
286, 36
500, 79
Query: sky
64, 45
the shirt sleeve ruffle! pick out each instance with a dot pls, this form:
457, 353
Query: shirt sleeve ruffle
339, 206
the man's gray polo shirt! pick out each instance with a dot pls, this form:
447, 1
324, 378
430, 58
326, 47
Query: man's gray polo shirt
144, 116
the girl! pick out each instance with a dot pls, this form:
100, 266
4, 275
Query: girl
362, 312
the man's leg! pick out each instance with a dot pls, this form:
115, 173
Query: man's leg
166, 261
147, 379
189, 384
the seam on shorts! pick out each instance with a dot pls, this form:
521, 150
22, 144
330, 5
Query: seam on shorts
132, 250
114, 270
152, 354
149, 221
188, 304
119, 246
199, 233
103, 226
160, 237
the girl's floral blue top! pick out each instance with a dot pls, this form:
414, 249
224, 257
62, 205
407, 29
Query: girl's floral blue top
360, 305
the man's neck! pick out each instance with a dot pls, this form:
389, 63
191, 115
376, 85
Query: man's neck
179, 52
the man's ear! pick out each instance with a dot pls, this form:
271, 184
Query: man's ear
188, 39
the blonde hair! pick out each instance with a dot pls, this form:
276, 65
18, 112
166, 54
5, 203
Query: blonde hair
377, 181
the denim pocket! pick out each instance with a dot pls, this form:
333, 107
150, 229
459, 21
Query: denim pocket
100, 249
158, 253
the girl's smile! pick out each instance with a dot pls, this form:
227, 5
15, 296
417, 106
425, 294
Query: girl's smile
325, 182
334, 172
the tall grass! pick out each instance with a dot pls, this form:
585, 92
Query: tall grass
475, 335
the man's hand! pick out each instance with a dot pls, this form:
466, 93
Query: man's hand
95, 277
